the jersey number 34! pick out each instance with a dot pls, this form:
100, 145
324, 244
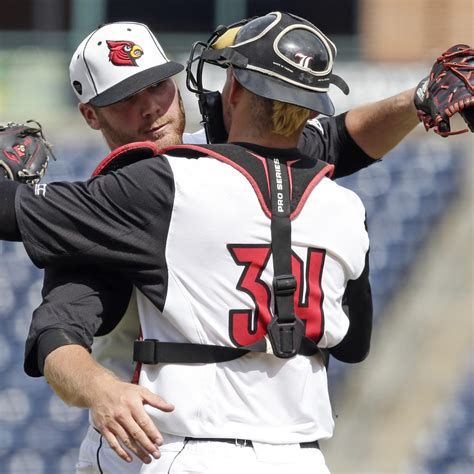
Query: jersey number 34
249, 326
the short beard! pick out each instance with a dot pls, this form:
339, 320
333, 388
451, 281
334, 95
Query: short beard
182, 118
176, 137
116, 138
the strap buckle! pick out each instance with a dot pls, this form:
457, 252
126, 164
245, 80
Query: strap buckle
145, 351
286, 337
284, 285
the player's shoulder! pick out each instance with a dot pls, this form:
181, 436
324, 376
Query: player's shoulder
318, 139
316, 124
341, 196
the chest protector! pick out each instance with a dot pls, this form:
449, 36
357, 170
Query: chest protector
282, 186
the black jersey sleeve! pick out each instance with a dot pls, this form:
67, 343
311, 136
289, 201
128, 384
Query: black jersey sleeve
328, 140
357, 303
107, 221
78, 304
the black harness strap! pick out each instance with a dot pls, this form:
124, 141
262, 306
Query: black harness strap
285, 330
152, 351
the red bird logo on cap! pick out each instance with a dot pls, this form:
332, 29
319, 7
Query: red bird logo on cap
124, 53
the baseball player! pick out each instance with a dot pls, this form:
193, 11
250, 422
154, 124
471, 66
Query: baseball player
124, 83
140, 118
274, 243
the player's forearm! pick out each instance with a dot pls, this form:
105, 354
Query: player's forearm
75, 376
378, 127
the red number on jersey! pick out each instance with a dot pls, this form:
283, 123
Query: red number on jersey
249, 326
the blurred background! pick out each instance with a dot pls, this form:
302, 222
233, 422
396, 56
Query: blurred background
409, 408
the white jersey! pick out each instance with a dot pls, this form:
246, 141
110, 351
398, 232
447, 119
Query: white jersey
258, 396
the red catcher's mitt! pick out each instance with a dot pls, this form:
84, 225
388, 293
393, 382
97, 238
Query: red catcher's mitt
448, 89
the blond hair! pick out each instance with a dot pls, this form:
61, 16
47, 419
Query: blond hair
288, 118
278, 117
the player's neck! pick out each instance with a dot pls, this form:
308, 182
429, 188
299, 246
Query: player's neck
269, 140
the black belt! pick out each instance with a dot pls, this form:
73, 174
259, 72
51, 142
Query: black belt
247, 442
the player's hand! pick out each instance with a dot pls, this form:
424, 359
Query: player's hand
118, 413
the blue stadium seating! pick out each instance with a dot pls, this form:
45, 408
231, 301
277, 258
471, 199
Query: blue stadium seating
449, 448
405, 196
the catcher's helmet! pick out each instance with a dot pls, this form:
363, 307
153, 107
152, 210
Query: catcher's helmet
279, 56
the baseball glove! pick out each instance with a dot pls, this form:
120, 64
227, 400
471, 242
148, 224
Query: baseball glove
24, 152
447, 90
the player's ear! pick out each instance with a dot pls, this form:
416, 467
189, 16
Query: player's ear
90, 116
313, 115
235, 90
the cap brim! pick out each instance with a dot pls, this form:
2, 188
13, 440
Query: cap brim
276, 89
136, 83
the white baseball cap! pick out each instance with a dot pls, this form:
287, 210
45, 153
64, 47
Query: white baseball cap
116, 61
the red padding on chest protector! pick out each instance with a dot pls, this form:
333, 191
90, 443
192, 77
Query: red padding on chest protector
125, 155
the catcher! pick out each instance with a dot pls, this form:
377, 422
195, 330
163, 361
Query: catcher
25, 152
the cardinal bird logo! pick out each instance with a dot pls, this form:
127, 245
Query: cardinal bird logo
124, 53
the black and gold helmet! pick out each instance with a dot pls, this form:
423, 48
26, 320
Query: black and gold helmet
279, 56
